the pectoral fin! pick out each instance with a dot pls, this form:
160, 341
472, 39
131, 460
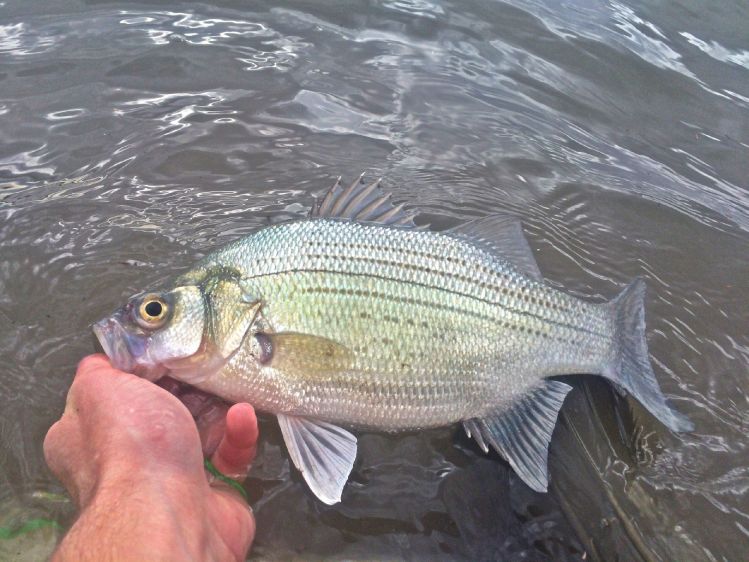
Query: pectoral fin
305, 355
323, 453
522, 434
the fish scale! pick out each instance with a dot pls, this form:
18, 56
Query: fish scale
352, 248
436, 323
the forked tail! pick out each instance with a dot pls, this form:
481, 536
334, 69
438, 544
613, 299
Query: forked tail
631, 367
522, 432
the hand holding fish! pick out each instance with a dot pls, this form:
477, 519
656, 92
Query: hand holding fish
130, 455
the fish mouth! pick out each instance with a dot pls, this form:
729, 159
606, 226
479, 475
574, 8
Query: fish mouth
113, 340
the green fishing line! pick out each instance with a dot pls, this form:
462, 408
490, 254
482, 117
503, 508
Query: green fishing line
220, 476
7, 533
27, 527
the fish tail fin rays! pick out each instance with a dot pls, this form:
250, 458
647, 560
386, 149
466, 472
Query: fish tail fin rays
631, 368
522, 433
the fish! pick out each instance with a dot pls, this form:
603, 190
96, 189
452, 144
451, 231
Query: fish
355, 318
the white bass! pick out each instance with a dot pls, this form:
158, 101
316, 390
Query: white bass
355, 317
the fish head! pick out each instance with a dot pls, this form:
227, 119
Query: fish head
155, 332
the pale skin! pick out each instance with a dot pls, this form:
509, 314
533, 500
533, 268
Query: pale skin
131, 455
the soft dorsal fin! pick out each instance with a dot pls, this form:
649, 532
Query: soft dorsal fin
361, 202
324, 453
522, 434
502, 235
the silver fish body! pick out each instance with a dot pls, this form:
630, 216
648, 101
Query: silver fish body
355, 317
440, 329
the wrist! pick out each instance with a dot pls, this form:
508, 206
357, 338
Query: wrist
104, 475
139, 516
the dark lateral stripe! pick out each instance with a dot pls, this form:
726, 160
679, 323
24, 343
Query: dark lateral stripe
322, 244
447, 274
438, 305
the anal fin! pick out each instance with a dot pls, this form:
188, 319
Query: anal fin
324, 453
522, 433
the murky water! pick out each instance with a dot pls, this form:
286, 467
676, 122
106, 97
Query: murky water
136, 136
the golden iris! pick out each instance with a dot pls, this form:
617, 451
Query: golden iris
152, 311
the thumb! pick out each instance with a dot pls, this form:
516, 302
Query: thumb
236, 451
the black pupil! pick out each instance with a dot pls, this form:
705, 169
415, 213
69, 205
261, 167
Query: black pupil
154, 308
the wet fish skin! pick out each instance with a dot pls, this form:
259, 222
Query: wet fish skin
440, 330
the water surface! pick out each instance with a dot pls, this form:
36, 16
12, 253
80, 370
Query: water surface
137, 136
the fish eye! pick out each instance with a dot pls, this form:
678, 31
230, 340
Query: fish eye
152, 312
154, 309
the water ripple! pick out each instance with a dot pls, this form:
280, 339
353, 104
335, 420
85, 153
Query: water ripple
137, 138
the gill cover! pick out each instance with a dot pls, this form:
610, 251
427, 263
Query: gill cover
229, 316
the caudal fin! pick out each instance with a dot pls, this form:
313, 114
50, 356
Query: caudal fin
631, 367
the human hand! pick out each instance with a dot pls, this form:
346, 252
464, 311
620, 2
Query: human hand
130, 454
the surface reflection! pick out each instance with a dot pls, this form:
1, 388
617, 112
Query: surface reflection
137, 139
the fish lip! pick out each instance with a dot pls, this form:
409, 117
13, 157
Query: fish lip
113, 340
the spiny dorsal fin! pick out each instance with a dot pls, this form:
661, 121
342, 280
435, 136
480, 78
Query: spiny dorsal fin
361, 202
522, 434
502, 235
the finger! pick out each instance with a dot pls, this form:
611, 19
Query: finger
62, 442
92, 384
107, 400
88, 369
95, 361
64, 435
65, 444
236, 451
